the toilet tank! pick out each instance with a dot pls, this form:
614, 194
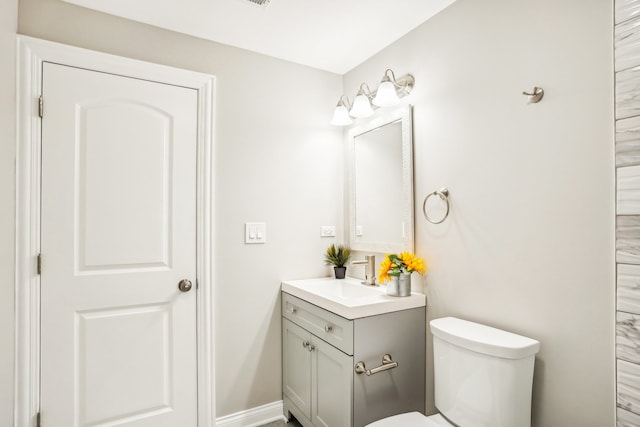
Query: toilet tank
483, 376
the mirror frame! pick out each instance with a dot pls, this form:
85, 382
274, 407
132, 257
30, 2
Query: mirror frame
381, 118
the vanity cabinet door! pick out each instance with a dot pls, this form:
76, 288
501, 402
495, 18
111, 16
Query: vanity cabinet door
332, 385
296, 366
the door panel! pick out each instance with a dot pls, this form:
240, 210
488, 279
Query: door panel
118, 339
296, 366
332, 385
132, 342
142, 137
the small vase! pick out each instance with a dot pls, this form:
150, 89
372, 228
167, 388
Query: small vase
340, 272
400, 286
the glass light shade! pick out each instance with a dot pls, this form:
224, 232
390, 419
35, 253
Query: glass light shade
341, 116
386, 95
361, 107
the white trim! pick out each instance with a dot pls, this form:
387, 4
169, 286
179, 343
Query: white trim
31, 54
253, 417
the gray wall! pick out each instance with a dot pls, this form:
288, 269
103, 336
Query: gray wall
529, 243
8, 25
275, 162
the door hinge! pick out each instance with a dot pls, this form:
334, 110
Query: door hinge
39, 264
40, 107
38, 420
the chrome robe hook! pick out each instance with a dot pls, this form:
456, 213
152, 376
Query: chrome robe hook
536, 96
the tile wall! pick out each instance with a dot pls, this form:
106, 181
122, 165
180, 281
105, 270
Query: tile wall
627, 69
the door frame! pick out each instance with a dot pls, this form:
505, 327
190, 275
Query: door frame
32, 53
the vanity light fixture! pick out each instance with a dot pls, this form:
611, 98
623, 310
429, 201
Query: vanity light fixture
387, 94
341, 115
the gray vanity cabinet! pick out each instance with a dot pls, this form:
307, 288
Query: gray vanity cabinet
321, 349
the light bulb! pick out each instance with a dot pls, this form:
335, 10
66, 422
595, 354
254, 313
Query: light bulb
341, 116
361, 106
386, 96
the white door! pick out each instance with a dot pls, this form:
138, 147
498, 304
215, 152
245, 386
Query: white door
118, 234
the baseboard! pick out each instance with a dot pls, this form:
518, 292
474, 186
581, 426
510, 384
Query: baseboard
253, 417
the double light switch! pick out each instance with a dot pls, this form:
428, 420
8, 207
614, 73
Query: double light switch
255, 232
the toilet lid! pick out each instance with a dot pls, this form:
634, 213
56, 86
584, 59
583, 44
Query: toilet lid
412, 419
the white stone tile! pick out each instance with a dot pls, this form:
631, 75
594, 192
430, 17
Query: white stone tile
628, 295
628, 239
628, 195
627, 45
626, 418
628, 142
626, 9
628, 337
629, 386
628, 93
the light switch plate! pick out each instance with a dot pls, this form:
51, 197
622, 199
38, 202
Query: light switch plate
328, 231
255, 232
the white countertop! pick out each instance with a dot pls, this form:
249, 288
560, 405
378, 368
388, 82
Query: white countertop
349, 298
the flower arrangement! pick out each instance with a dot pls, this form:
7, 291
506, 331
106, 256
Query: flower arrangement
394, 265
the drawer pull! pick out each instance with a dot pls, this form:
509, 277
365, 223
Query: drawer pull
328, 328
387, 363
293, 310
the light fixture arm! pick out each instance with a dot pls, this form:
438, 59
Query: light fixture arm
366, 91
344, 101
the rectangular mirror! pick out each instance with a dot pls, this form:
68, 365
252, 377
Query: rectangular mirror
381, 183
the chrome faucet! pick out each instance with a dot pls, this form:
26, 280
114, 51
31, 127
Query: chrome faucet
369, 271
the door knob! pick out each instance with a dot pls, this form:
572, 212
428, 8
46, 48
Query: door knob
185, 285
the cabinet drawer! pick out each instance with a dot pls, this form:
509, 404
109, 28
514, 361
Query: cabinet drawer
328, 326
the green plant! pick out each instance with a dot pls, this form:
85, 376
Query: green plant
337, 255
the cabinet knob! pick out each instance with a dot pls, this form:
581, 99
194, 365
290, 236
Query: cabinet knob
293, 310
328, 328
312, 347
305, 344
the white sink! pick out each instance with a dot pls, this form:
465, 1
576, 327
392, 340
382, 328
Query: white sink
349, 298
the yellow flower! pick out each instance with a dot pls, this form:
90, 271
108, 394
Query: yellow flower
385, 266
405, 262
412, 262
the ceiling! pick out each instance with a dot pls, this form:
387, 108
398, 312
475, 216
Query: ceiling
332, 35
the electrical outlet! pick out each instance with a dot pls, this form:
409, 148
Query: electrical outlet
328, 231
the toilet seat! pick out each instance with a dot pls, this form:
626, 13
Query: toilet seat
412, 419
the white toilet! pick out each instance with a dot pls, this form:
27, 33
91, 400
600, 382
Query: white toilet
483, 377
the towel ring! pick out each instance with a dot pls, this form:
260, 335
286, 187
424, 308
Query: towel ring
444, 196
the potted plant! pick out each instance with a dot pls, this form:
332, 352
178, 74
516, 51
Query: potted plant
338, 256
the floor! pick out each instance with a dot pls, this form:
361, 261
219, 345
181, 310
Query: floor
293, 423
